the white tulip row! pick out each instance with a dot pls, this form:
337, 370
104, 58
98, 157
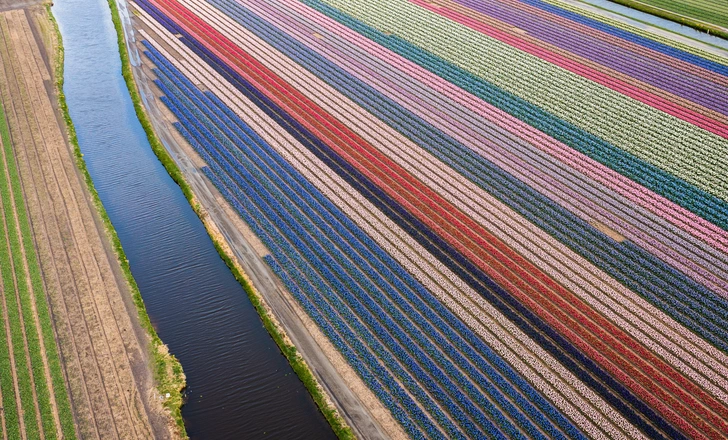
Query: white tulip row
546, 374
531, 165
620, 305
670, 143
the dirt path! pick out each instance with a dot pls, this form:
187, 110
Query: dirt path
363, 412
103, 350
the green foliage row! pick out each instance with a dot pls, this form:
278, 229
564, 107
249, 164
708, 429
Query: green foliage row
297, 363
41, 309
11, 250
168, 372
12, 420
687, 12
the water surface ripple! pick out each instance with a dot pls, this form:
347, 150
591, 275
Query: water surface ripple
240, 386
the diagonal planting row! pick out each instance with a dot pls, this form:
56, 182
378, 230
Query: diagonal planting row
364, 260
653, 332
644, 173
676, 146
586, 46
712, 124
431, 207
720, 392
634, 34
328, 92
487, 322
624, 187
696, 259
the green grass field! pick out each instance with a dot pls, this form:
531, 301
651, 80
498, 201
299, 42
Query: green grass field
706, 15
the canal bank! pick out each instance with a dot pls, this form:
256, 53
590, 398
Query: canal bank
238, 381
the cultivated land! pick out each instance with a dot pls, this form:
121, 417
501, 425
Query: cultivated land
75, 360
505, 218
705, 15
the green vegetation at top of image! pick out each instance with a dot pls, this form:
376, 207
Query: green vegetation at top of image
339, 426
168, 373
710, 16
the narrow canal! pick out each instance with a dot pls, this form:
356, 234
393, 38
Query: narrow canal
239, 384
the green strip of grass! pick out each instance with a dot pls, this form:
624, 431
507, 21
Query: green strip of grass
298, 364
339, 426
168, 372
677, 18
11, 249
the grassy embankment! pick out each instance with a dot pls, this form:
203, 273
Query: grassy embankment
30, 300
686, 12
168, 372
289, 351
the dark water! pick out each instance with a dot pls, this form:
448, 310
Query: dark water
240, 386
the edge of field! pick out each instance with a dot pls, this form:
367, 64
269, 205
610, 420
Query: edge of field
694, 23
299, 365
168, 373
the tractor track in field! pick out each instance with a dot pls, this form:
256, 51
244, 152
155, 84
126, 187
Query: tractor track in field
104, 351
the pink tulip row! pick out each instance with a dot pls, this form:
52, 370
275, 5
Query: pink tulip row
415, 205
658, 205
627, 89
558, 383
316, 91
699, 266
411, 158
622, 43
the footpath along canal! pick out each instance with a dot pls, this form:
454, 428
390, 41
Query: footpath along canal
239, 384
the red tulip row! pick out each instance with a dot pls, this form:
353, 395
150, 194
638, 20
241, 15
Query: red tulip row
503, 341
458, 229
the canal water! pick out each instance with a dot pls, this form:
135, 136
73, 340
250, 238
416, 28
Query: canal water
239, 385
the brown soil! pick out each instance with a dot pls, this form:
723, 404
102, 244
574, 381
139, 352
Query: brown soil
103, 349
614, 235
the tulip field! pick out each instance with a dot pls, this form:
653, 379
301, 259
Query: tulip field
509, 217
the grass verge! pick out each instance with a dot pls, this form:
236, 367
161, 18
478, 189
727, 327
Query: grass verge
677, 18
168, 374
339, 426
